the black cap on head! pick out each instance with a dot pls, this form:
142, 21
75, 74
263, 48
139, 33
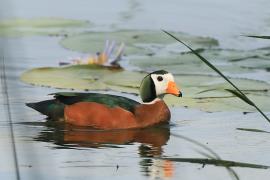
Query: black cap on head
160, 72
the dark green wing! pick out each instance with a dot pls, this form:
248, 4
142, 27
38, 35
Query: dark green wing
54, 108
107, 99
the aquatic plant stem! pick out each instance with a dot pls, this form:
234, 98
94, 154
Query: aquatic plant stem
240, 95
8, 110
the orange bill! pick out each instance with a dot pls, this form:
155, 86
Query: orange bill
173, 89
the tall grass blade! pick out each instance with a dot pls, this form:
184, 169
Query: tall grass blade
240, 94
244, 98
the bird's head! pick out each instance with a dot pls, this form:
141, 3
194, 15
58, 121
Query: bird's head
157, 84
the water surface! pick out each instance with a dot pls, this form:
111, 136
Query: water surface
49, 151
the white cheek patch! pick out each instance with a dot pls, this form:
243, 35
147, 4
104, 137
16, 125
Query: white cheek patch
161, 86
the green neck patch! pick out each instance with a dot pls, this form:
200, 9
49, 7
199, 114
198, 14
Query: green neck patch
147, 89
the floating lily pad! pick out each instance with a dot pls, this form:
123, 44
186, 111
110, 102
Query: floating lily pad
255, 63
200, 91
39, 26
228, 61
137, 42
185, 63
234, 55
78, 77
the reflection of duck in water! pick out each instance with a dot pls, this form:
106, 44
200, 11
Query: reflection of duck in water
157, 168
152, 166
65, 135
104, 111
151, 142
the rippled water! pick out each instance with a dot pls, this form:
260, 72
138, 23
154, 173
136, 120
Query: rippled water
48, 151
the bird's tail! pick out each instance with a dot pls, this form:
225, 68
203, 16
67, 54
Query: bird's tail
51, 108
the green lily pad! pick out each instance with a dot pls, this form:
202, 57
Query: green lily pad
137, 42
228, 61
255, 63
200, 91
39, 26
184, 63
78, 77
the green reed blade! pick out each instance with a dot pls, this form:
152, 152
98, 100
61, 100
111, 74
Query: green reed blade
239, 93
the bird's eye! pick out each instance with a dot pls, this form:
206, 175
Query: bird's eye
159, 78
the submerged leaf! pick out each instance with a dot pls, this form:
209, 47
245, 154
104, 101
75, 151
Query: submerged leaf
217, 162
261, 37
252, 130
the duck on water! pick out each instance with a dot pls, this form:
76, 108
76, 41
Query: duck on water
105, 111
